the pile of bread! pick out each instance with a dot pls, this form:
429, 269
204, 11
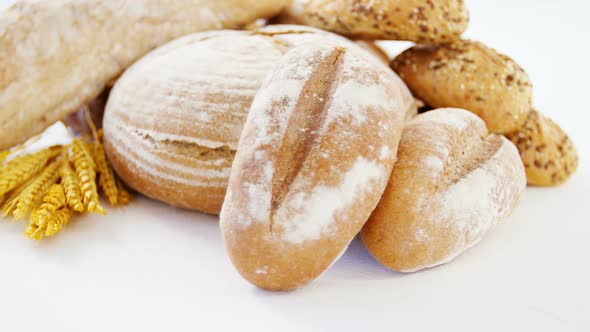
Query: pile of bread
297, 135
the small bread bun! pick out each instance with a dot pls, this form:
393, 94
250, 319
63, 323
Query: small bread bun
469, 75
452, 183
173, 120
313, 160
549, 155
56, 56
422, 21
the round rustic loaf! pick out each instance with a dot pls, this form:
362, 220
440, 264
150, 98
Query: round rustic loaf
173, 120
452, 183
472, 76
313, 160
422, 21
55, 56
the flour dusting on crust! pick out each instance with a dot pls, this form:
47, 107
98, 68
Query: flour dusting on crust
308, 216
461, 214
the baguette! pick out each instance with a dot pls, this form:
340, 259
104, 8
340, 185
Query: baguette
56, 56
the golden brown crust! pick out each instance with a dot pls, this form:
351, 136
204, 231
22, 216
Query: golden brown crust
56, 56
206, 199
469, 75
313, 160
549, 155
423, 21
452, 183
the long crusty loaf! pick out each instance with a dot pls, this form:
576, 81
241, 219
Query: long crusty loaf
57, 55
315, 155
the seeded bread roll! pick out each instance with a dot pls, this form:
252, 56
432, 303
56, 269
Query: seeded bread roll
423, 21
56, 56
549, 155
369, 45
452, 183
315, 155
173, 120
470, 75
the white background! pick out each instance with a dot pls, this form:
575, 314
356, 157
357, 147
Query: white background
152, 267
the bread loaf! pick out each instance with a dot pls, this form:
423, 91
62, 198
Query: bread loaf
452, 183
174, 119
423, 21
470, 75
55, 56
315, 155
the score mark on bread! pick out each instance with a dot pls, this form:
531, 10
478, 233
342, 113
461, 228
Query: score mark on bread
304, 125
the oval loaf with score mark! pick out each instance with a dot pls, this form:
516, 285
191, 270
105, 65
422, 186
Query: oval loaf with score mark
313, 160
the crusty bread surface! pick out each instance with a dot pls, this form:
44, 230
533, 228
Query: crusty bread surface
314, 157
452, 183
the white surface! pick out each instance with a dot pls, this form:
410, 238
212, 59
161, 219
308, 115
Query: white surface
152, 267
